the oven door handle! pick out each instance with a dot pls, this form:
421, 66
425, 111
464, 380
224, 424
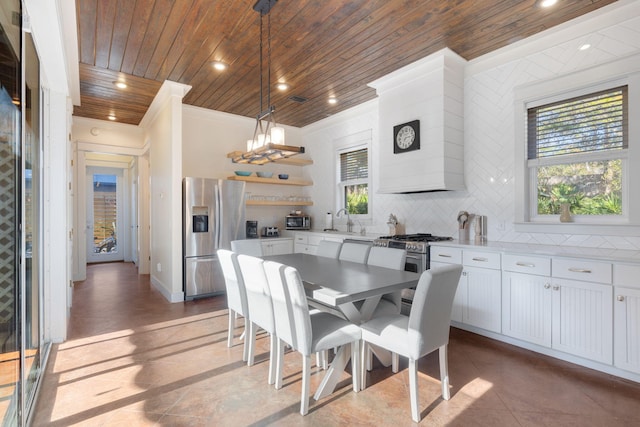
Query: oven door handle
413, 257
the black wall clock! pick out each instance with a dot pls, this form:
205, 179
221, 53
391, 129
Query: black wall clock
406, 137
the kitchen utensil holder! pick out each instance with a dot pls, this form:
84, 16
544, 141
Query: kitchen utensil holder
463, 234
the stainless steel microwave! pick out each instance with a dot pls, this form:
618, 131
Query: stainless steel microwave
297, 222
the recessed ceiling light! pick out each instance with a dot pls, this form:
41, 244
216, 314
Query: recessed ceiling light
282, 86
333, 100
585, 46
548, 3
218, 65
112, 117
120, 84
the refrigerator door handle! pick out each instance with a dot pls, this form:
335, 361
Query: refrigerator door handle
218, 222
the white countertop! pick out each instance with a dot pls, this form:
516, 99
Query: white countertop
617, 255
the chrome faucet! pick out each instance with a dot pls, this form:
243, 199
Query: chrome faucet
349, 223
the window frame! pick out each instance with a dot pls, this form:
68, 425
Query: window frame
588, 156
621, 72
359, 141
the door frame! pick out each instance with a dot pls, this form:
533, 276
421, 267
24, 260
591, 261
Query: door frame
86, 159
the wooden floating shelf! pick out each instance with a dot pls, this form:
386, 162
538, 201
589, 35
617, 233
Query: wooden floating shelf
276, 203
257, 179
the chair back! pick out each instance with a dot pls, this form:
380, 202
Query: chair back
430, 315
247, 247
387, 257
236, 293
258, 294
354, 252
329, 249
288, 279
282, 310
390, 258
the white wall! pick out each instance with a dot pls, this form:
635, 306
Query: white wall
46, 24
489, 132
163, 126
207, 138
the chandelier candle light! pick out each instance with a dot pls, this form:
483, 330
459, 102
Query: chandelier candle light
267, 144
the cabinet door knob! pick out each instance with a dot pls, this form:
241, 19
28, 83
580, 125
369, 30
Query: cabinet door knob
464, 273
547, 285
556, 288
620, 298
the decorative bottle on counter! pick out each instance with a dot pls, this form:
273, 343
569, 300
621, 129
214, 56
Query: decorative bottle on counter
565, 212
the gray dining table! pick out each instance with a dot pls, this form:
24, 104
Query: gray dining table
338, 285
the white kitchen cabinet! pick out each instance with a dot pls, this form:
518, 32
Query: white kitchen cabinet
626, 317
307, 242
277, 246
483, 305
441, 256
526, 298
478, 298
582, 319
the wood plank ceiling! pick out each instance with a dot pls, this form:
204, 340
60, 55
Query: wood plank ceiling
320, 48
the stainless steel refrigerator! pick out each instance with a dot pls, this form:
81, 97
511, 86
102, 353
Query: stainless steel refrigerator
213, 215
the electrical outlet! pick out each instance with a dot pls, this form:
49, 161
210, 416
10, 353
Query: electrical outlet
501, 225
159, 267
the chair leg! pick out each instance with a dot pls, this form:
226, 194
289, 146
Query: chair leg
413, 389
363, 364
355, 365
280, 364
306, 379
245, 334
444, 372
232, 327
252, 343
369, 355
395, 361
273, 351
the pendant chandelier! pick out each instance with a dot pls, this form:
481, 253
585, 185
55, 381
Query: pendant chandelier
267, 144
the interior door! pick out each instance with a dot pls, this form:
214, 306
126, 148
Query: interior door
105, 230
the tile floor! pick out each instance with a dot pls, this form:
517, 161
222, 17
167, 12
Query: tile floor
133, 359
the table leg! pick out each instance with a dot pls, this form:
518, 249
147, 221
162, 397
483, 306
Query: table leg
331, 378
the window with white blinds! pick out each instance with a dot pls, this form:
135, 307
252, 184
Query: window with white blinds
594, 122
577, 151
353, 180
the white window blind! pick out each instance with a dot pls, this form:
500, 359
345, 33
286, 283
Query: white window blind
589, 123
354, 165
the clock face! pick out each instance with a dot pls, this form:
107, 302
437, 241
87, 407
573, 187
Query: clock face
406, 137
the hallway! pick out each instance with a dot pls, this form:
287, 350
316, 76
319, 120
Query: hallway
133, 359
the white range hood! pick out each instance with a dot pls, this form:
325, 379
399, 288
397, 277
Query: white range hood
430, 90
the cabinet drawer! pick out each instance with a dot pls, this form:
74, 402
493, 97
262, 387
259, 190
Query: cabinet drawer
526, 264
584, 270
446, 254
302, 238
626, 275
481, 259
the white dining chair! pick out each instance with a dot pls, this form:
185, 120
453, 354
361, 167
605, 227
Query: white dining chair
236, 296
329, 249
391, 303
389, 258
251, 247
423, 331
260, 308
305, 333
355, 252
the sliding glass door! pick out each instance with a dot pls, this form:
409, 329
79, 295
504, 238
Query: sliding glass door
21, 231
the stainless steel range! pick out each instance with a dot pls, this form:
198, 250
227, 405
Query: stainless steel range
417, 247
